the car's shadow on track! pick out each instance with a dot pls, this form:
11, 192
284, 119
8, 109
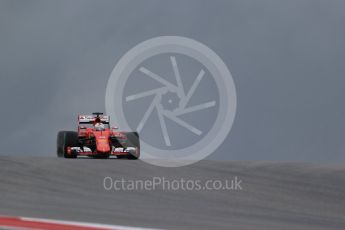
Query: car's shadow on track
95, 158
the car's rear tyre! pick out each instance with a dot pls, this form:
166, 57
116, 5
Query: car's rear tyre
66, 139
132, 142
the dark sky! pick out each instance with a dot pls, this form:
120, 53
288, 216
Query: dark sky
287, 58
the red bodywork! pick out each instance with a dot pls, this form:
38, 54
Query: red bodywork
102, 139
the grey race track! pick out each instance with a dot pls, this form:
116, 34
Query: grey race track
274, 196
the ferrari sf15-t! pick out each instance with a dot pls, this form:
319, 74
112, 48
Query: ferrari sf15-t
95, 138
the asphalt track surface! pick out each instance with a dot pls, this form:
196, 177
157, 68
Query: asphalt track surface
273, 196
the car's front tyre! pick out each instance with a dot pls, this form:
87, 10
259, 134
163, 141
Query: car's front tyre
66, 139
133, 143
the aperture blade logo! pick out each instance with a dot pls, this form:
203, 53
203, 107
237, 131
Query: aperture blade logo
177, 94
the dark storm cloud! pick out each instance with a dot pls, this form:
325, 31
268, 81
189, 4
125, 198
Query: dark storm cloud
287, 59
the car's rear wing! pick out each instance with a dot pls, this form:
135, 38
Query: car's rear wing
90, 119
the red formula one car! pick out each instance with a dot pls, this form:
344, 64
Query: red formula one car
95, 138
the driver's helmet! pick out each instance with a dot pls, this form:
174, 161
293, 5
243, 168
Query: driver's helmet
99, 126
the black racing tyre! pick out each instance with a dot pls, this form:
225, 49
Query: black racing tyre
66, 139
59, 144
132, 141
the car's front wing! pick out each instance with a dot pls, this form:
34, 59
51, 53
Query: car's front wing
85, 151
